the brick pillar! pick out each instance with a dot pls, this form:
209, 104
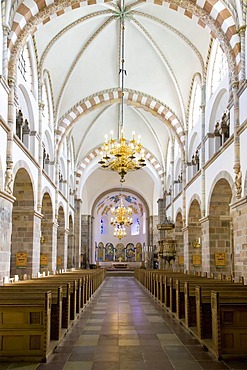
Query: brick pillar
36, 243
86, 238
6, 206
220, 241
161, 216
239, 242
54, 245
187, 256
205, 244
178, 236
77, 231
65, 260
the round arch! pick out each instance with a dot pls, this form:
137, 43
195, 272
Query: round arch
101, 212
221, 175
22, 164
113, 96
220, 221
46, 245
96, 152
24, 20
23, 223
192, 199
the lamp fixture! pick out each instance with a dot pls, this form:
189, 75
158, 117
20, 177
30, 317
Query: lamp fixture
122, 215
196, 243
120, 231
121, 155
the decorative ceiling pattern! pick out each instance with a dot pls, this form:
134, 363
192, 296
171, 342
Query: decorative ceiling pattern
167, 44
113, 200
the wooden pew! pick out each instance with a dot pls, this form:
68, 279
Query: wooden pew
204, 309
75, 291
8, 292
229, 324
177, 298
25, 327
190, 297
69, 296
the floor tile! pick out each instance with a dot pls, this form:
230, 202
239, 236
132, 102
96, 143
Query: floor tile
84, 365
18, 366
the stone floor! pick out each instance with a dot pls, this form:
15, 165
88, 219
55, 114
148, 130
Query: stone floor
123, 328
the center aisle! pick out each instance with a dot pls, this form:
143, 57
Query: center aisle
123, 328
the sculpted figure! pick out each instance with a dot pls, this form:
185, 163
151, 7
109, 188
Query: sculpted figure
238, 183
8, 181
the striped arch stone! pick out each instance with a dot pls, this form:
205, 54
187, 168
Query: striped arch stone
28, 11
96, 152
112, 96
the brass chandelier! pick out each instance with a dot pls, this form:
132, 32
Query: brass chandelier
121, 218
122, 215
121, 155
119, 232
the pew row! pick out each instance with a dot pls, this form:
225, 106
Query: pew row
25, 327
69, 293
189, 299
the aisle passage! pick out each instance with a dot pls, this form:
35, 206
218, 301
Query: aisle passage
123, 328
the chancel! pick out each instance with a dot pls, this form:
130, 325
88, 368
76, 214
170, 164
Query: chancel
123, 184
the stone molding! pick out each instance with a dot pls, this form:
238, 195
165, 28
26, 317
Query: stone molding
239, 203
10, 198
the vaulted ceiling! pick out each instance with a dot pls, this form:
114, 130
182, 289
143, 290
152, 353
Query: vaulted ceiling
163, 50
165, 46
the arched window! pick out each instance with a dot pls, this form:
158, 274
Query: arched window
25, 66
144, 223
135, 227
138, 226
101, 226
219, 68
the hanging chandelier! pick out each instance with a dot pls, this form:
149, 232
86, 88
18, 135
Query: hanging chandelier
122, 155
121, 215
119, 232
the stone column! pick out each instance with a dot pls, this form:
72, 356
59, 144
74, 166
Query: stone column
205, 244
8, 187
65, 260
6, 207
237, 165
77, 231
6, 31
241, 32
41, 108
186, 248
36, 243
54, 245
161, 216
203, 103
239, 239
184, 192
172, 170
86, 237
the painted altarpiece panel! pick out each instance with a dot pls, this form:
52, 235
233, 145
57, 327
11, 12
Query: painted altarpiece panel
130, 253
138, 252
120, 253
100, 249
109, 252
